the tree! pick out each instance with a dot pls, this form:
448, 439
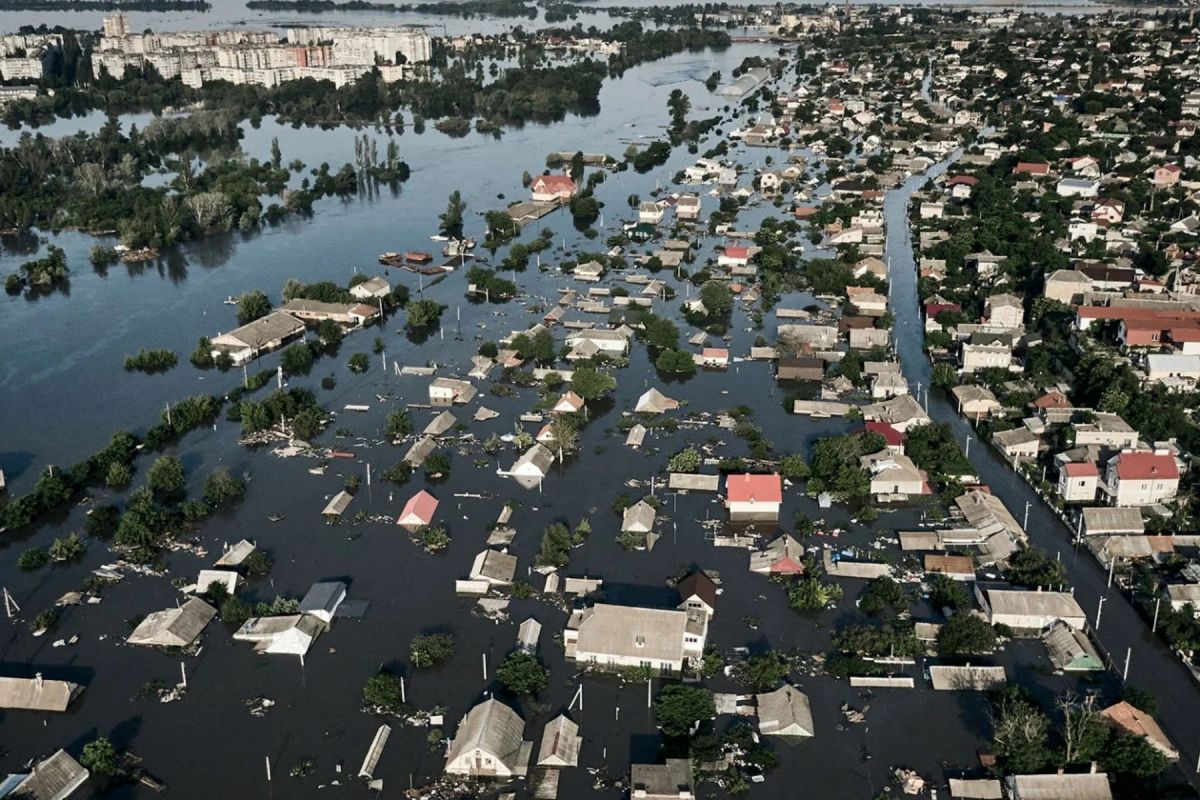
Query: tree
946, 592
118, 475
659, 332
384, 693
794, 468
252, 306
330, 333
1030, 566
452, 218
222, 488
717, 298
235, 611
556, 546
32, 558
100, 757
675, 362
1083, 733
810, 593
686, 460
398, 423
565, 434
422, 314
678, 708
308, 422
592, 384
966, 634
1133, 756
68, 548
297, 359
431, 649
522, 673
943, 375
883, 597
762, 673
166, 477
1020, 731
359, 362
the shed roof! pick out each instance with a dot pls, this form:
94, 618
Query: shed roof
56, 778
492, 727
37, 693
560, 743
174, 627
785, 712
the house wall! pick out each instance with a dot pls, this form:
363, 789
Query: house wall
749, 512
610, 660
1143, 492
1078, 490
488, 765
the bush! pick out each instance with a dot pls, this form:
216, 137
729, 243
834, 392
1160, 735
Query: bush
431, 649
100, 757
437, 465
102, 522
384, 693
221, 488
966, 635
761, 673
235, 611
359, 362
522, 673
166, 477
432, 538
69, 548
687, 460
33, 558
678, 708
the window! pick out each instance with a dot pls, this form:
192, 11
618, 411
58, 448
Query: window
639, 641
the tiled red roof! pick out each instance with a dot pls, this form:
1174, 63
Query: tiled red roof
746, 488
893, 437
1081, 469
554, 183
421, 505
737, 252
1146, 466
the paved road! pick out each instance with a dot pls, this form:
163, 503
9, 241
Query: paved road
1152, 666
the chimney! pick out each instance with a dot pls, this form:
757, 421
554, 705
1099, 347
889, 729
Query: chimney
37, 680
1094, 768
1060, 770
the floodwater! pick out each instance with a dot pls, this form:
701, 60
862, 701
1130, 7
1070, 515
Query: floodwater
233, 13
63, 392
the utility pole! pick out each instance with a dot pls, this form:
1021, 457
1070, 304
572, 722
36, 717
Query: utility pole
1125, 673
1154, 625
968, 448
1025, 524
1099, 611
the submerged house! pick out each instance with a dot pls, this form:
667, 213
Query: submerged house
174, 627
669, 781
37, 693
322, 600
783, 556
488, 743
55, 778
753, 498
785, 712
560, 743
1070, 649
628, 636
418, 511
291, 634
533, 466
260, 336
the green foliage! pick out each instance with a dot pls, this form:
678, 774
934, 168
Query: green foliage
943, 375
946, 592
556, 546
222, 488
592, 384
717, 298
359, 362
686, 460
835, 464
451, 220
965, 635
297, 359
119, 475
678, 708
102, 522
422, 314
884, 597
67, 548
1030, 566
384, 693
762, 673
433, 538
675, 362
253, 305
1020, 731
399, 472
257, 564
398, 423
165, 477
143, 523
869, 640
99, 756
235, 611
934, 449
811, 593
437, 465
32, 558
794, 468
522, 673
429, 650
659, 332
151, 361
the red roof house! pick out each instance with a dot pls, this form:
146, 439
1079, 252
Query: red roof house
418, 511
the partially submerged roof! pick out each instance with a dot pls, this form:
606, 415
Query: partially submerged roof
946, 677
975, 789
235, 555
493, 728
638, 518
653, 401
698, 585
1070, 649
323, 598
1088, 786
338, 504
37, 693
1133, 720
785, 712
56, 778
494, 566
174, 627
672, 779
560, 743
695, 482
